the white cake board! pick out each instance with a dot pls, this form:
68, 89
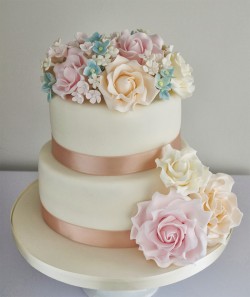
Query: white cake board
106, 271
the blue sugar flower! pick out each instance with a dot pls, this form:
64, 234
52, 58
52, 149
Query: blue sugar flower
167, 72
91, 68
95, 37
48, 81
163, 83
164, 94
100, 48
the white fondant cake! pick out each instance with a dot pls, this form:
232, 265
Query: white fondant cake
115, 173
108, 133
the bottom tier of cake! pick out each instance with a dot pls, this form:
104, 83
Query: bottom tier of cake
86, 266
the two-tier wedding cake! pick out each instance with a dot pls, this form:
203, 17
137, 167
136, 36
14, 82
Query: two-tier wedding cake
116, 172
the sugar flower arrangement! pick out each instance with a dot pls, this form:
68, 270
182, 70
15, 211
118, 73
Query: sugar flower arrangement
199, 211
123, 69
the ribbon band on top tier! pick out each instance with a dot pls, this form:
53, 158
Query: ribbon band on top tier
109, 166
89, 236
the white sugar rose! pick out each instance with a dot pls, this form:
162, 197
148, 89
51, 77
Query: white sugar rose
124, 84
182, 81
222, 203
182, 170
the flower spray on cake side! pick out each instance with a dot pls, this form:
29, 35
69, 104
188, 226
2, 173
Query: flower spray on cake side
199, 211
123, 69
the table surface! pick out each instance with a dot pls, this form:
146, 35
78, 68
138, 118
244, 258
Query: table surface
229, 276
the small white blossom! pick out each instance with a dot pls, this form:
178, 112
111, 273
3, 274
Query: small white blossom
86, 47
94, 81
166, 62
151, 66
113, 51
98, 59
148, 56
58, 49
46, 63
105, 37
82, 87
94, 96
107, 59
76, 97
145, 56
102, 60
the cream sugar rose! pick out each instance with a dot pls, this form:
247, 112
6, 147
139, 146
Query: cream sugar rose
116, 173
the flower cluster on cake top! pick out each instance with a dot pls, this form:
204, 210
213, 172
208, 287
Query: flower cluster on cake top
199, 211
123, 69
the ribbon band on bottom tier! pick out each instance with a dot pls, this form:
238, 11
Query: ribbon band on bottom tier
109, 166
88, 236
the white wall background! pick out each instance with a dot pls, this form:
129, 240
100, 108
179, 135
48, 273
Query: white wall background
212, 35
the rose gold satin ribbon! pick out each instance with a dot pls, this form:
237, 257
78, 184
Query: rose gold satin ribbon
93, 237
99, 165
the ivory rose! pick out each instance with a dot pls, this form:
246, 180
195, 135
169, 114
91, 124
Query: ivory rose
182, 170
171, 229
222, 203
131, 46
124, 84
182, 81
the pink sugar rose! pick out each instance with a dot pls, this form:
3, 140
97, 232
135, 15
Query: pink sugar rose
68, 73
171, 229
67, 78
131, 46
76, 59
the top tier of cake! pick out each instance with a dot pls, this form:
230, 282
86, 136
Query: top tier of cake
95, 130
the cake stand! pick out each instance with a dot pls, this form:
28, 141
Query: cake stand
101, 271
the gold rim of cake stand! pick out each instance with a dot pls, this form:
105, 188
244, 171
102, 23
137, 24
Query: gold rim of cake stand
85, 266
